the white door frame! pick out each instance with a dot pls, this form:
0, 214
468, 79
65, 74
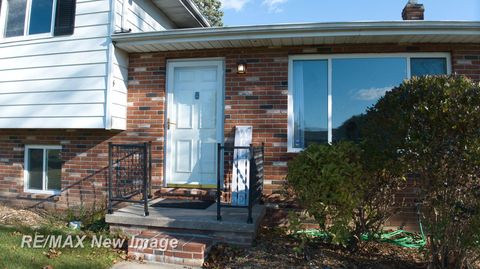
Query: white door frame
191, 62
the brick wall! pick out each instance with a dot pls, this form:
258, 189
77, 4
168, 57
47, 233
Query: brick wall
258, 98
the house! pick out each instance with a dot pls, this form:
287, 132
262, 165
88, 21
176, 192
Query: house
62, 80
128, 75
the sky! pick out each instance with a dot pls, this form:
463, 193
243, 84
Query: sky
248, 12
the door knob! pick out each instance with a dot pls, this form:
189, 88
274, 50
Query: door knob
169, 123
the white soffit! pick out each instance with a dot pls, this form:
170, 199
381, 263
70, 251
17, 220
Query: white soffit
184, 13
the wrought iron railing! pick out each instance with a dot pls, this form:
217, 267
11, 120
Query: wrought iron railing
129, 174
244, 167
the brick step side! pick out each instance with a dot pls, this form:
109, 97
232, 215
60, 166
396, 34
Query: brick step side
188, 250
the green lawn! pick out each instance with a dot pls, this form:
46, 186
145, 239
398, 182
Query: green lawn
15, 257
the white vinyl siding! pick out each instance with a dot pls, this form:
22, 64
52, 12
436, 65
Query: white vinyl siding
54, 72
118, 92
77, 81
74, 84
79, 122
140, 16
34, 98
52, 60
58, 82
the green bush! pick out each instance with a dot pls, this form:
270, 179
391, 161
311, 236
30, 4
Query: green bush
345, 196
430, 127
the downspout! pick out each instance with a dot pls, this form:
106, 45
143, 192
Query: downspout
123, 22
109, 78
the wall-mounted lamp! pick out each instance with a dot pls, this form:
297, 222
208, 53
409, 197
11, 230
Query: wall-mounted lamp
241, 67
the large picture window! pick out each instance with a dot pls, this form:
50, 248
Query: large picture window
328, 94
43, 169
28, 17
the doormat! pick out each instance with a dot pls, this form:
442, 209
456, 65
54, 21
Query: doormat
186, 204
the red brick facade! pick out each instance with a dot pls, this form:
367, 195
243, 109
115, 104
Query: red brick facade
258, 98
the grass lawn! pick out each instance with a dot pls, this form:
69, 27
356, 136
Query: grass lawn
15, 257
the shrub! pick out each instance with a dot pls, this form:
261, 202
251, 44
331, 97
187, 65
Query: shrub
93, 219
431, 127
345, 196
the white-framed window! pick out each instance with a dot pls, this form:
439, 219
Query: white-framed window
43, 169
27, 17
327, 93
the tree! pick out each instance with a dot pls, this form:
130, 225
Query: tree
211, 10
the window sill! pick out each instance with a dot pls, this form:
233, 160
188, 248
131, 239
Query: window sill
294, 150
50, 193
39, 196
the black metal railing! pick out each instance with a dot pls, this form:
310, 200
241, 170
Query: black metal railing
240, 161
129, 174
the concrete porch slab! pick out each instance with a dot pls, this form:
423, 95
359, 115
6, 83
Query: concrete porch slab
233, 219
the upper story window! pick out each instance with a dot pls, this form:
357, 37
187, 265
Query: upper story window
28, 17
37, 17
328, 94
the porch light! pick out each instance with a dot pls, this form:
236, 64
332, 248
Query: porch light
241, 67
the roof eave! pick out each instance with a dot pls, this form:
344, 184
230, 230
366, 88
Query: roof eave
341, 29
196, 13
183, 13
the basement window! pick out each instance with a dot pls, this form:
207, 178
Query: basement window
328, 94
43, 168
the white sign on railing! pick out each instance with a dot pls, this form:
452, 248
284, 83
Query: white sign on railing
241, 166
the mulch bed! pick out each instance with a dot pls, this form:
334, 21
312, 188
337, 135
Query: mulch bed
275, 249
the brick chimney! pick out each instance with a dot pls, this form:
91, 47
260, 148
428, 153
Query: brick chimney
413, 11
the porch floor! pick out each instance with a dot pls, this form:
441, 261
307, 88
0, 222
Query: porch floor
233, 219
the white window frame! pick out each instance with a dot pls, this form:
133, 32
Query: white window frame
25, 36
329, 58
26, 174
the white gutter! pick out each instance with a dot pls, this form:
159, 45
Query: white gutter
388, 28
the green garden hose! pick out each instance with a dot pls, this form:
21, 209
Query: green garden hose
399, 237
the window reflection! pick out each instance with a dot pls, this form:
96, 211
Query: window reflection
40, 17
428, 66
54, 169
310, 83
357, 85
15, 18
35, 169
